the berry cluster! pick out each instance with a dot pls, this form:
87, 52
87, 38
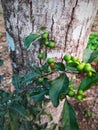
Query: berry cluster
81, 66
47, 42
79, 95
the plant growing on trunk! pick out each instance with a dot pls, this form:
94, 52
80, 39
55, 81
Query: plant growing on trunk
25, 106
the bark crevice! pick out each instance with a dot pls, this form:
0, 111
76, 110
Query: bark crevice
69, 24
52, 24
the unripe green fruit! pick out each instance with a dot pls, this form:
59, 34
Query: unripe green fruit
71, 93
74, 59
50, 60
45, 35
69, 61
80, 66
89, 74
87, 67
67, 57
40, 55
51, 44
46, 43
70, 88
79, 97
80, 92
40, 79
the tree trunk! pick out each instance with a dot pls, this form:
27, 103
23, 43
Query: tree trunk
68, 22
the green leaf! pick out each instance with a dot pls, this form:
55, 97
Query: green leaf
35, 69
16, 83
69, 121
1, 62
39, 96
14, 123
31, 39
44, 55
2, 113
58, 87
93, 56
28, 78
18, 109
59, 66
86, 54
87, 82
1, 77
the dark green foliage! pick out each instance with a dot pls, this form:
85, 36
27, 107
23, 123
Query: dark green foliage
93, 41
69, 121
31, 39
87, 82
58, 86
24, 108
1, 62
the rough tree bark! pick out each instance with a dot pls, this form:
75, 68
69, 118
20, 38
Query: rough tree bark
68, 21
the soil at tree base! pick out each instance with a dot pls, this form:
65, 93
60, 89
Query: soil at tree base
87, 110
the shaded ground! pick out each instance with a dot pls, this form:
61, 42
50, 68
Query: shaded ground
87, 110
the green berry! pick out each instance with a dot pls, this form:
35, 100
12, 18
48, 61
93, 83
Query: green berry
51, 44
67, 57
50, 60
70, 88
46, 43
40, 55
74, 59
87, 67
40, 79
71, 93
79, 97
89, 74
80, 92
45, 35
80, 66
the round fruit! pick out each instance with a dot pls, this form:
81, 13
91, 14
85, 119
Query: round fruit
74, 59
51, 44
45, 35
71, 93
69, 61
51, 64
89, 74
79, 97
70, 88
40, 55
80, 66
87, 67
80, 92
46, 43
67, 57
40, 79
50, 60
